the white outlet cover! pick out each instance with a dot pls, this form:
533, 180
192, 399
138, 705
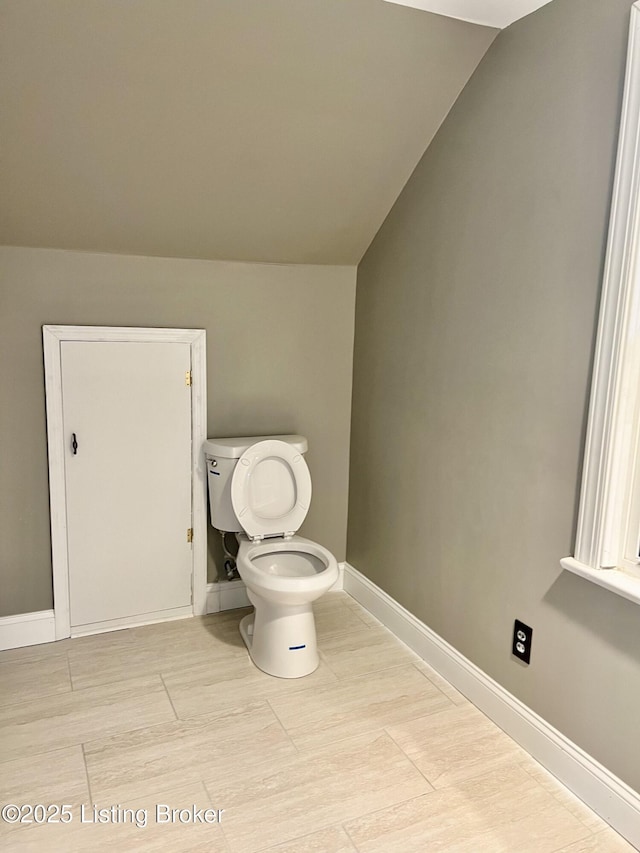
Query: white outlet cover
488, 13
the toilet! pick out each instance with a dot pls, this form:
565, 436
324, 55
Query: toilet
260, 489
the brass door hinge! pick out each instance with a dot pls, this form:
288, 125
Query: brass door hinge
187, 378
190, 534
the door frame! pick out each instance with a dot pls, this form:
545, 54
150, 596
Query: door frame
52, 338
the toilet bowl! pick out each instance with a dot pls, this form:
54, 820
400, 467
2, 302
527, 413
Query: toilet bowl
283, 578
260, 488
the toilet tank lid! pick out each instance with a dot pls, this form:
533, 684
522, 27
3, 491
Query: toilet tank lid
233, 448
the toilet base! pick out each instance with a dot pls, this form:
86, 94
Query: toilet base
281, 640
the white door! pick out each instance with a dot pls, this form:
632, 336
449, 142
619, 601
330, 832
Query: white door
127, 428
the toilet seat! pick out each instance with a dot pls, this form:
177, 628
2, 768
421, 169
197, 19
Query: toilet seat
262, 509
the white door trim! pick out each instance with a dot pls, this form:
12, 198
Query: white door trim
52, 338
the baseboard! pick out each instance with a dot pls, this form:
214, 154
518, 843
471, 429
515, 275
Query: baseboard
121, 624
27, 629
226, 595
601, 790
339, 584
229, 595
31, 629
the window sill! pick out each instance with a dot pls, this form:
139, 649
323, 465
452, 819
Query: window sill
615, 580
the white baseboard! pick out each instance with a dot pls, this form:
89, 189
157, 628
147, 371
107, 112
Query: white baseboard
108, 625
608, 796
229, 595
31, 629
226, 595
27, 629
339, 584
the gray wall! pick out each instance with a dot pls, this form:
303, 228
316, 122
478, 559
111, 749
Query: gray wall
475, 315
279, 356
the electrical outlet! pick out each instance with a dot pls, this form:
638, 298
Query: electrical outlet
522, 635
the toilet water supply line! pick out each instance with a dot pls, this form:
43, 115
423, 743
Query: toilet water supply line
229, 560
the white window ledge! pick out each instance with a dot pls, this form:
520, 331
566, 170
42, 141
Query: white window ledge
615, 580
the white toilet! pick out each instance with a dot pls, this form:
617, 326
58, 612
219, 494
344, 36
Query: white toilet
260, 489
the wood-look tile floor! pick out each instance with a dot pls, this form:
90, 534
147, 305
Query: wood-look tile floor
374, 752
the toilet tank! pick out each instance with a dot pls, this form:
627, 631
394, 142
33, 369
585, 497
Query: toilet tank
222, 455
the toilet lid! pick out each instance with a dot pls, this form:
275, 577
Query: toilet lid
271, 489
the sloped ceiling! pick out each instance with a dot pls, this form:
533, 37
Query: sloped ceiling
490, 13
256, 130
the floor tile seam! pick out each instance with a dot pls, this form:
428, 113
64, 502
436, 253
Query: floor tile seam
296, 838
379, 648
320, 746
158, 787
302, 837
161, 673
26, 658
115, 636
350, 627
112, 684
301, 691
353, 603
43, 752
380, 810
609, 829
555, 796
259, 704
339, 633
343, 678
82, 743
327, 664
433, 782
332, 824
86, 772
296, 691
38, 698
69, 672
283, 727
499, 764
222, 710
411, 761
254, 704
26, 662
421, 716
87, 743
100, 649
207, 793
551, 789
343, 826
362, 628
430, 680
340, 610
166, 690
202, 652
587, 834
220, 823
357, 612
570, 845
370, 620
361, 675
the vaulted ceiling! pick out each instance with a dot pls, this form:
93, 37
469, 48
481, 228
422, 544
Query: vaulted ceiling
256, 130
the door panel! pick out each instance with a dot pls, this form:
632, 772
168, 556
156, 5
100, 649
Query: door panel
128, 486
